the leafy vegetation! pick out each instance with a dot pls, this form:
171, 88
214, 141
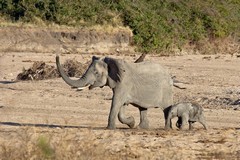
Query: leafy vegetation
157, 25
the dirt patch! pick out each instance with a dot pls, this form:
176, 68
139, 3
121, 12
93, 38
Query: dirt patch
48, 120
20, 39
217, 101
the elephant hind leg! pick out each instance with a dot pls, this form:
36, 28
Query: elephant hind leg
203, 122
190, 125
125, 120
144, 123
185, 119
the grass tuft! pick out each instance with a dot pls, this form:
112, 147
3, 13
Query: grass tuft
45, 147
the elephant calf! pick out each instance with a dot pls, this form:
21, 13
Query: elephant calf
186, 113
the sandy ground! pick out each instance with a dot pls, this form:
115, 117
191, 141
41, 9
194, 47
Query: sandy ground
52, 106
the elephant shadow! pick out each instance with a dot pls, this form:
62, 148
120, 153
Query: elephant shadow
40, 125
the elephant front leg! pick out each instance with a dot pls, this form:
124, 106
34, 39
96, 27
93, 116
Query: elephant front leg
115, 107
168, 116
144, 123
125, 120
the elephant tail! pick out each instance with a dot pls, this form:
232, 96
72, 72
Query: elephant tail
141, 58
179, 87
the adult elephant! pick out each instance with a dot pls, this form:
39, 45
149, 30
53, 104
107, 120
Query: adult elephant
144, 85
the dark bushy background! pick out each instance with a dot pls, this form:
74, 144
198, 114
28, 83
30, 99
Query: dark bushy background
157, 25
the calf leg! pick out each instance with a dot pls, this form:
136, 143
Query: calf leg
203, 122
190, 125
168, 117
185, 119
168, 122
179, 122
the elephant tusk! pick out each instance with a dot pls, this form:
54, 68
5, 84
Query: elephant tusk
82, 88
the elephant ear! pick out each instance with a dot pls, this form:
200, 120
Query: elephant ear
95, 58
115, 71
197, 109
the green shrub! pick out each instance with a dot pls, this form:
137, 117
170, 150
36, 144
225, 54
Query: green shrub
46, 150
157, 25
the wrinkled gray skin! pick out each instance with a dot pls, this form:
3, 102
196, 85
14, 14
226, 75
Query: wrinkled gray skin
131, 83
186, 113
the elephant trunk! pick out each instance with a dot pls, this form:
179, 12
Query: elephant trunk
74, 83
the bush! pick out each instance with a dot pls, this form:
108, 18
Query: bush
157, 25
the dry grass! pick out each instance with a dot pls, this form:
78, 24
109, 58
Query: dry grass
38, 23
35, 143
80, 143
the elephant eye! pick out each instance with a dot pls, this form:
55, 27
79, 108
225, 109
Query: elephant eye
96, 72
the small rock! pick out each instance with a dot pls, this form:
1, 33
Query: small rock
217, 57
207, 57
237, 102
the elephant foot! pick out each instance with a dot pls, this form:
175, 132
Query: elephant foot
127, 120
182, 128
111, 127
144, 125
131, 122
205, 127
167, 128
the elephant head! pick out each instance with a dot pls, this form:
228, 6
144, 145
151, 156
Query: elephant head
101, 72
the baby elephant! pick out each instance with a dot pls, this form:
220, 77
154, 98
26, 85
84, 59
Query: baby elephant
186, 112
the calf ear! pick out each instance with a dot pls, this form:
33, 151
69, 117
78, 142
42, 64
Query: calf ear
197, 109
